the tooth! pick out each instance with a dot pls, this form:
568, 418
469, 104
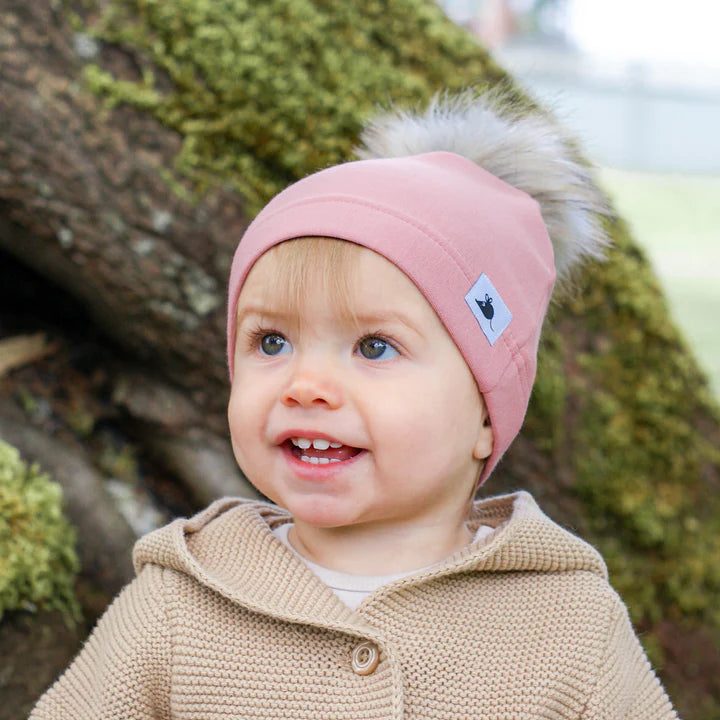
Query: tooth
302, 443
305, 458
336, 445
334, 460
315, 460
323, 461
320, 444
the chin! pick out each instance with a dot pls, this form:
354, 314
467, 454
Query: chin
321, 513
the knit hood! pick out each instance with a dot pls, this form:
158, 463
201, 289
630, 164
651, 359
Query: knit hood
265, 576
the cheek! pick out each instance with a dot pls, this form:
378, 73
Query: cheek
246, 422
433, 424
235, 424
410, 421
243, 414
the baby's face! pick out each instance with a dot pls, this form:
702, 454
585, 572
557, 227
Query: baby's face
342, 420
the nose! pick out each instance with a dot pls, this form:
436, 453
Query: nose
313, 387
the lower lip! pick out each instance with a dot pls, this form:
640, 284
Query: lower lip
311, 471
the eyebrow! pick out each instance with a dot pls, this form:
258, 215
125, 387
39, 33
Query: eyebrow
387, 316
367, 319
262, 311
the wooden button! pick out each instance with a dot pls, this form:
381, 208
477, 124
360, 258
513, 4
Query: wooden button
365, 658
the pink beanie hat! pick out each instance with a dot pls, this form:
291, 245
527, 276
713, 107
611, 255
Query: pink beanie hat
475, 246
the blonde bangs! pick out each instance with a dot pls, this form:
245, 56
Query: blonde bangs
309, 263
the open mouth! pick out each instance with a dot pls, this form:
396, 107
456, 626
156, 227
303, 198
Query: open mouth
318, 451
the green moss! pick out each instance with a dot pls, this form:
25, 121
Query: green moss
636, 399
546, 419
263, 93
37, 556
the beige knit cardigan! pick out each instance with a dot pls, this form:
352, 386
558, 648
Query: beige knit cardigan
224, 621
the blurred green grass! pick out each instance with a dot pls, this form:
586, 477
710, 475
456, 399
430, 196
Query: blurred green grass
676, 219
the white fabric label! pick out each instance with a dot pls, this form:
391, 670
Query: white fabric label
488, 308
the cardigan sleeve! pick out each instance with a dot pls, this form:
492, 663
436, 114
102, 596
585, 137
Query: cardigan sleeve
627, 688
123, 670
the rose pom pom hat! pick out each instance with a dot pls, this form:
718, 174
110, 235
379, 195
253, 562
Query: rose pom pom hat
481, 205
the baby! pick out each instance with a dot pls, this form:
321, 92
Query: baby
383, 325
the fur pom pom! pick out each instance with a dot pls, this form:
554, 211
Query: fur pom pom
524, 149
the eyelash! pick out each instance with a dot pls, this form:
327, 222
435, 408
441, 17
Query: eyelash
378, 336
253, 337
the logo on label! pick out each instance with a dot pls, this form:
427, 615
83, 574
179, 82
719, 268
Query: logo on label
488, 308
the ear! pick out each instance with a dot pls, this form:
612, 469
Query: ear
484, 445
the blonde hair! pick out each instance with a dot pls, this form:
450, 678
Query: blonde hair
313, 262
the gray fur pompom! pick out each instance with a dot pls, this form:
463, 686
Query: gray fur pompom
526, 150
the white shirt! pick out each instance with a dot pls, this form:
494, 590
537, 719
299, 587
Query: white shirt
353, 589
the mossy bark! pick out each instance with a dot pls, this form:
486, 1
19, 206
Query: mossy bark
140, 138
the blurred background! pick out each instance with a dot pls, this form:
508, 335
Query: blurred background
138, 139
638, 82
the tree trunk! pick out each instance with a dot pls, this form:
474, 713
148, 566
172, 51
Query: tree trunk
97, 201
84, 203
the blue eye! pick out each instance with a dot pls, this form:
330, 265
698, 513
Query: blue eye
375, 348
274, 344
